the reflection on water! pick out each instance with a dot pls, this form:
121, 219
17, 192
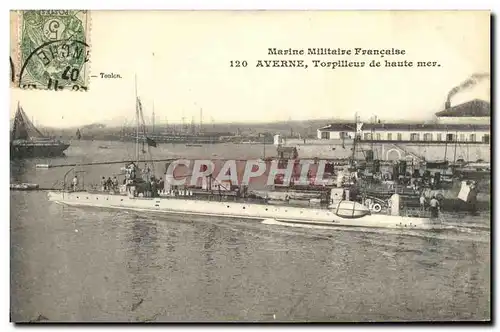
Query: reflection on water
85, 264
141, 259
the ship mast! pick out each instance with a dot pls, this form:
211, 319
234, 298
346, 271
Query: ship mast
355, 137
153, 116
153, 74
137, 122
201, 120
455, 153
445, 147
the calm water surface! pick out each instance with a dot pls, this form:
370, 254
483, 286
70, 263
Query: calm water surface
86, 264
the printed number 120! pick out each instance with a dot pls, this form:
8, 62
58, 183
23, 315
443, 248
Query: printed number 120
238, 63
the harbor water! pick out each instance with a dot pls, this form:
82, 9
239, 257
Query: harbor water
71, 264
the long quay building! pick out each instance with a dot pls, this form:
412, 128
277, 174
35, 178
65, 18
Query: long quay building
461, 132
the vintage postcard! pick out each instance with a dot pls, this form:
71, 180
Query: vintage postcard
250, 166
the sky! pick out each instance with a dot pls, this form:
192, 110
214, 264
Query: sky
190, 69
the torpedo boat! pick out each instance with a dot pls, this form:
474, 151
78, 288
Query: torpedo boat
341, 213
140, 191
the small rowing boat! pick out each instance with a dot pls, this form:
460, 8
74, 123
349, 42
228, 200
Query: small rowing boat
23, 186
42, 166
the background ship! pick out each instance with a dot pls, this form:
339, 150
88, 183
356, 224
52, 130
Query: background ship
27, 141
182, 138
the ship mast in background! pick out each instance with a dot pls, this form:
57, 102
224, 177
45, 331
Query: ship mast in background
142, 124
137, 122
357, 128
153, 120
201, 120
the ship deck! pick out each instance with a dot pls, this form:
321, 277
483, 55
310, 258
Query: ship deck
217, 198
405, 211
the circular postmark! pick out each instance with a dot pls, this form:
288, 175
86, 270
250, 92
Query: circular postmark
53, 52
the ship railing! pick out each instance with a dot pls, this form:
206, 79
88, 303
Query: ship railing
415, 212
97, 188
233, 198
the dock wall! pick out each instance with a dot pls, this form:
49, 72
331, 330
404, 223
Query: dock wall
430, 151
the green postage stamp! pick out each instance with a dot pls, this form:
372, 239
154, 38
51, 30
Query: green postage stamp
50, 49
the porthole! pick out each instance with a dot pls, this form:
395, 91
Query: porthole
77, 197
266, 209
228, 206
121, 199
243, 208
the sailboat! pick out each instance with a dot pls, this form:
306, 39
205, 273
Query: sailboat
27, 141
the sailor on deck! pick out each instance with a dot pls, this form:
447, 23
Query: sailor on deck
422, 201
161, 185
115, 183
132, 171
472, 199
154, 187
75, 183
434, 203
147, 191
109, 184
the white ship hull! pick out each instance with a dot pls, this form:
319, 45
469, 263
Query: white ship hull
237, 210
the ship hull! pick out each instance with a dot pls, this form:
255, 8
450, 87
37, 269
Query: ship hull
37, 150
237, 210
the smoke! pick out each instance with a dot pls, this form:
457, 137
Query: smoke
471, 81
